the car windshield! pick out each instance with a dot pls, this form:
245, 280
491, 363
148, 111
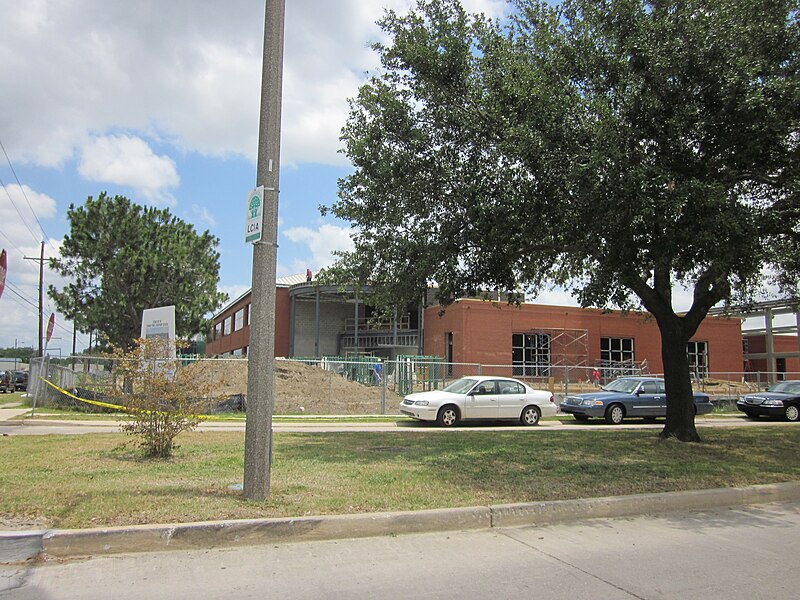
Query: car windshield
460, 386
786, 387
626, 386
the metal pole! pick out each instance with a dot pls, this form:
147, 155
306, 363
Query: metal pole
74, 337
41, 303
261, 374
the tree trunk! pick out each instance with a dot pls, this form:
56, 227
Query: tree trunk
680, 401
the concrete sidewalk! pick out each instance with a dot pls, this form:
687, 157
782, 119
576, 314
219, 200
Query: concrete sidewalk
8, 416
16, 546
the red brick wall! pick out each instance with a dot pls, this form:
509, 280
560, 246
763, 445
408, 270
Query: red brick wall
780, 343
482, 332
282, 305
241, 338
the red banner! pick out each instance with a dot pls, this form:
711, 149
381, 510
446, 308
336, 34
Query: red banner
3, 271
50, 326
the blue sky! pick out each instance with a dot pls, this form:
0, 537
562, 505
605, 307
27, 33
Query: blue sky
158, 101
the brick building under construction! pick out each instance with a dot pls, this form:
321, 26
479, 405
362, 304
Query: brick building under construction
314, 320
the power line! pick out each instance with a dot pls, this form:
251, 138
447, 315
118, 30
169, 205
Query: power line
14, 204
11, 287
10, 241
35, 312
24, 195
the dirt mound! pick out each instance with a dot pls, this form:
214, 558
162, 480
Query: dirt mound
299, 388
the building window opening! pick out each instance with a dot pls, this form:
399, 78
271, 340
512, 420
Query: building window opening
238, 320
530, 354
617, 357
448, 352
698, 359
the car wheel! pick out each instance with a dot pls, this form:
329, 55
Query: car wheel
614, 414
581, 417
530, 416
792, 413
448, 416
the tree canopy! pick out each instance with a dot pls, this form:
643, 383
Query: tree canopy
616, 147
122, 258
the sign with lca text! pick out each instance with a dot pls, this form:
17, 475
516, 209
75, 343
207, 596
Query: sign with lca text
255, 215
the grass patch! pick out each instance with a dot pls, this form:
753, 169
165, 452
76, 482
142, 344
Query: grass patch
100, 480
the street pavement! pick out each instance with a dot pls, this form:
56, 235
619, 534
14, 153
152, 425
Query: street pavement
11, 424
725, 554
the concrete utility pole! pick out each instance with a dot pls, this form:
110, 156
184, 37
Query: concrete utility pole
261, 354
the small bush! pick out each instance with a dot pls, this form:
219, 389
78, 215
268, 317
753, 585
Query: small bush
160, 394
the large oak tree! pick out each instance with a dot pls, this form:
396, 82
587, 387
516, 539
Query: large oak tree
122, 258
618, 147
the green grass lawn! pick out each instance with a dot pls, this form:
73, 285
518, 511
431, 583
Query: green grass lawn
100, 479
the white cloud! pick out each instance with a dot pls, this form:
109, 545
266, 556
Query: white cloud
21, 212
321, 243
202, 213
184, 72
126, 160
234, 291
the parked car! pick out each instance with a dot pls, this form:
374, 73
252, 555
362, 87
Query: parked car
21, 380
7, 381
779, 400
627, 397
480, 397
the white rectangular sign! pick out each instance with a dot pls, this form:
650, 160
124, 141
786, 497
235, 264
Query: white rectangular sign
160, 323
255, 215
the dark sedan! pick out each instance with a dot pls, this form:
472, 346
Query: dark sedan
627, 397
21, 380
780, 400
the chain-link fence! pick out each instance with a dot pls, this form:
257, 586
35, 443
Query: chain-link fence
362, 385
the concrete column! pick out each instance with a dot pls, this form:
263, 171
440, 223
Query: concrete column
292, 317
421, 336
770, 346
355, 321
261, 374
316, 324
797, 329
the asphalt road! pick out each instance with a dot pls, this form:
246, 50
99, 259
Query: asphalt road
721, 554
49, 427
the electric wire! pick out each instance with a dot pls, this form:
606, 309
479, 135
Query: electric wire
14, 204
24, 195
10, 241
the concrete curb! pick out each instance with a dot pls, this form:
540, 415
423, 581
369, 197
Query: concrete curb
217, 534
73, 543
539, 513
17, 546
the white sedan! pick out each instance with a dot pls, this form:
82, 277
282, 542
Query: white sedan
480, 397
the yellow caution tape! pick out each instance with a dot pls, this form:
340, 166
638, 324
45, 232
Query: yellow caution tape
103, 404
73, 396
